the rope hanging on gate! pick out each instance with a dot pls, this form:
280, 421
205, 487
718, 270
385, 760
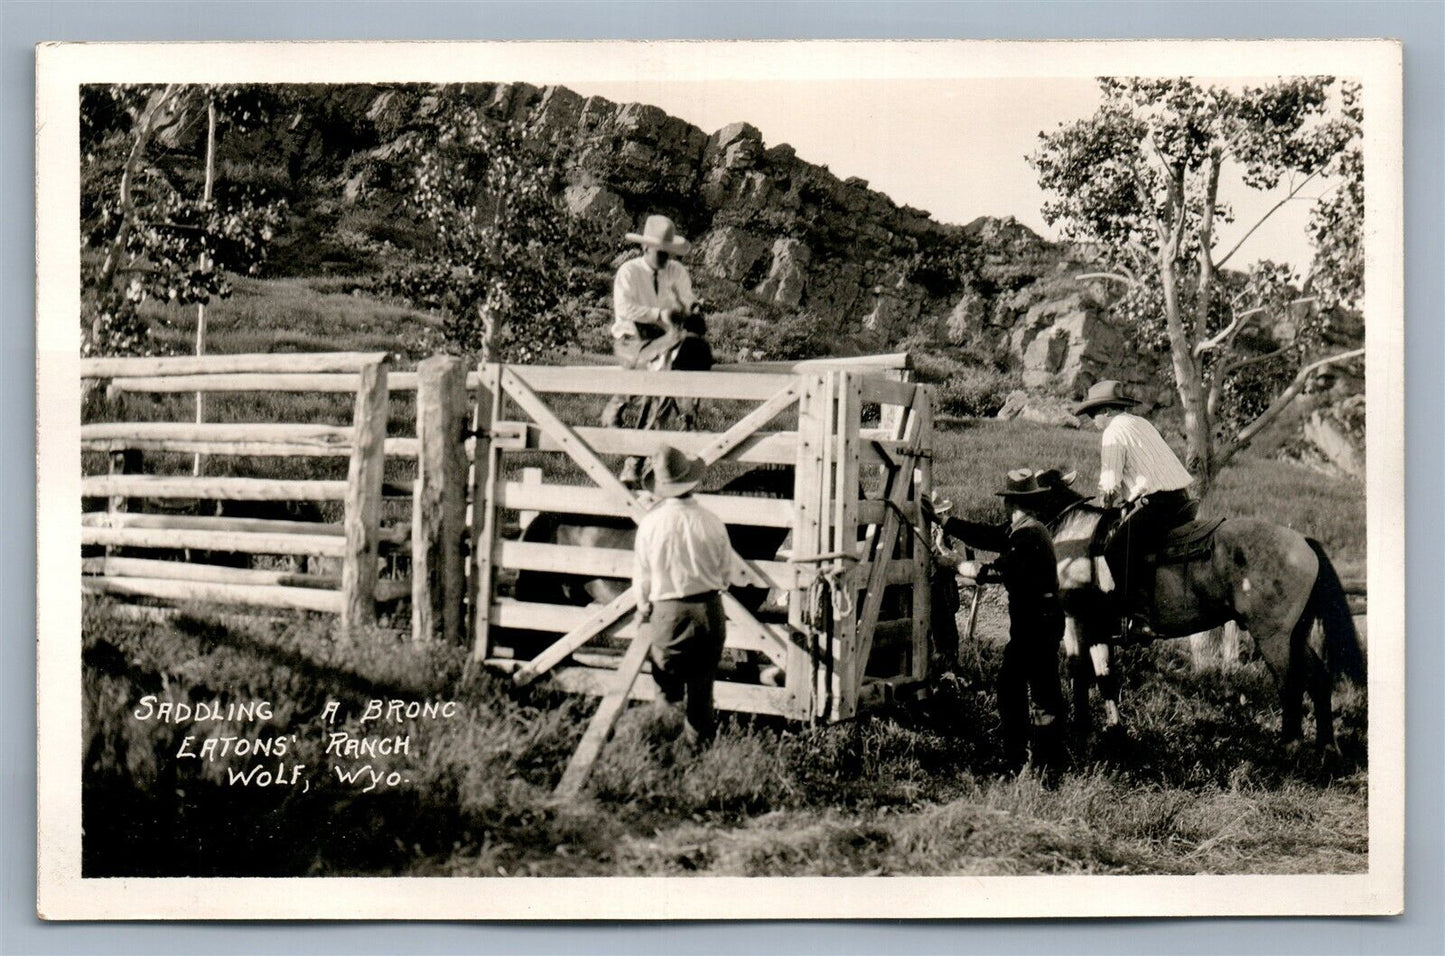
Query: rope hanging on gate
832, 571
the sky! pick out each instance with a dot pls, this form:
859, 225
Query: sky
954, 147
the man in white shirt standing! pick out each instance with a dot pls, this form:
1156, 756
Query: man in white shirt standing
1138, 470
681, 565
653, 308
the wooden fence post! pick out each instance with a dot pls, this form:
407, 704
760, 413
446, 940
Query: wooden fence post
438, 578
486, 473
362, 521
125, 461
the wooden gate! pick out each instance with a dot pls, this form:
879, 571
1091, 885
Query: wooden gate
848, 553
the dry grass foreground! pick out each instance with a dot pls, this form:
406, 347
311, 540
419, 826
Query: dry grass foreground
1203, 786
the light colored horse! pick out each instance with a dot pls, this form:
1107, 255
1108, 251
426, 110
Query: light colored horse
1271, 579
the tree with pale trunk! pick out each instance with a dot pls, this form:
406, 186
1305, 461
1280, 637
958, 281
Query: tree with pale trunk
152, 225
1138, 182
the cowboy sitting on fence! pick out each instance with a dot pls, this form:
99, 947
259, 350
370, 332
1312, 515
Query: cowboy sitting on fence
657, 324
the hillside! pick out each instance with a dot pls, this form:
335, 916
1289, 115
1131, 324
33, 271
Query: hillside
793, 260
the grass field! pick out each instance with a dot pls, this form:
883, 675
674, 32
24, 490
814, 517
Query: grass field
1202, 785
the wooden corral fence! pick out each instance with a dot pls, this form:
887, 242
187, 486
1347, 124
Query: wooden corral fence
847, 554
849, 613
355, 543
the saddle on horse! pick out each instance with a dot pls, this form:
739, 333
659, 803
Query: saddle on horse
1164, 531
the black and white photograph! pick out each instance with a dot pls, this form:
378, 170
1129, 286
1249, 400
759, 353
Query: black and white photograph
944, 464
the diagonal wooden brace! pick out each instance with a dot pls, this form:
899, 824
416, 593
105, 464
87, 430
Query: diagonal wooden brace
595, 737
606, 617
744, 427
576, 449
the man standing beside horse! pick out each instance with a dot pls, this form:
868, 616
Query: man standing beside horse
1138, 470
1036, 618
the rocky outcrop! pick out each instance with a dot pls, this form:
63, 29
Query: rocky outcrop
1043, 409
786, 230
1065, 345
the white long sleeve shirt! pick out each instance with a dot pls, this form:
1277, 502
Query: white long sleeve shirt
641, 294
1136, 461
681, 549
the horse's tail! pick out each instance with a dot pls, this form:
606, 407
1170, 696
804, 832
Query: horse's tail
1328, 604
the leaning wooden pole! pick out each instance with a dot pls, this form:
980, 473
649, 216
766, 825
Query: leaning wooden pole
362, 521
439, 502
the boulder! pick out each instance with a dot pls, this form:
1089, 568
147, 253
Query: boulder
1066, 344
1043, 409
1337, 434
731, 253
599, 206
788, 276
966, 321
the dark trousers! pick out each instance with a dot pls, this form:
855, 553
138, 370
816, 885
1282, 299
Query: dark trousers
1142, 533
1030, 666
687, 637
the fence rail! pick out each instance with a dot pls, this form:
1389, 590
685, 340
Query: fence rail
356, 542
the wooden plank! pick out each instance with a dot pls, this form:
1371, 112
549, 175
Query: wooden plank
580, 500
881, 552
747, 632
762, 448
922, 609
387, 589
225, 489
760, 636
439, 504
265, 362
244, 542
191, 571
813, 419
362, 517
887, 391
863, 364
260, 440
290, 432
328, 382
253, 595
101, 519
611, 708
744, 428
769, 448
845, 537
597, 622
486, 476
727, 695
572, 444
611, 380
617, 563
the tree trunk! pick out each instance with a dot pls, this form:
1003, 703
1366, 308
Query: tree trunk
1188, 381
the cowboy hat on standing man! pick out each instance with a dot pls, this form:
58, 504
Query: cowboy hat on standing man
681, 563
1036, 618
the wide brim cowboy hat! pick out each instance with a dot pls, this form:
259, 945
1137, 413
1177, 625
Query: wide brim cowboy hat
1105, 394
659, 233
1026, 483
672, 472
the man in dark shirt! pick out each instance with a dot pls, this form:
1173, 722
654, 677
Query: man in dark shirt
1036, 619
